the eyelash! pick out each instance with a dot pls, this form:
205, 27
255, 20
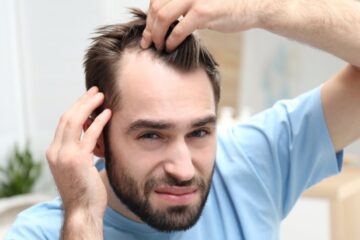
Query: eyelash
206, 132
149, 136
156, 136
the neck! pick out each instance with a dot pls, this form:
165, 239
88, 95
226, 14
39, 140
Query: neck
114, 202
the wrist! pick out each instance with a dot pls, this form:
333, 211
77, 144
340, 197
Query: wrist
83, 214
82, 225
81, 207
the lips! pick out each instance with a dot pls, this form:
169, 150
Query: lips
177, 191
176, 196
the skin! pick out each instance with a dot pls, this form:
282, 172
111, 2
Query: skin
181, 151
339, 23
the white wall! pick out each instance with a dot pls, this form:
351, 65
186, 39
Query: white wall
12, 126
42, 45
276, 68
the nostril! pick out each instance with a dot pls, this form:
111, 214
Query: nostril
182, 173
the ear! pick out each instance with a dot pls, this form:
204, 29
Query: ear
99, 149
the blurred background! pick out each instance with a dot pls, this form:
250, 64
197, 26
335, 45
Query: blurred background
42, 45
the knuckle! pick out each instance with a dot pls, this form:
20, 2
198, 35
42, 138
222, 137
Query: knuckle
201, 11
155, 7
162, 15
50, 154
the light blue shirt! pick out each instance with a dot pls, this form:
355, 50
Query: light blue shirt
262, 167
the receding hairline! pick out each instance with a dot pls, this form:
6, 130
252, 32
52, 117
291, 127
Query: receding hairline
155, 56
133, 52
106, 54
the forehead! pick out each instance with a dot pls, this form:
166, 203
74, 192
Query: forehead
151, 89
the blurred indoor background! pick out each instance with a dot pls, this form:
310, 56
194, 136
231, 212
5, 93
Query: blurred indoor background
42, 44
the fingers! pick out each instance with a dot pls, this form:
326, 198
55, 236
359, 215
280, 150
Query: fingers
64, 118
70, 125
183, 29
53, 149
78, 115
163, 18
94, 131
161, 15
154, 7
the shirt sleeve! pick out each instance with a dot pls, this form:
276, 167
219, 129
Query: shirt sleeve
24, 231
42, 221
288, 148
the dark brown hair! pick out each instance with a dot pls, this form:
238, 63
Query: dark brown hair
112, 40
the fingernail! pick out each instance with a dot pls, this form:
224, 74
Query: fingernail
106, 112
93, 89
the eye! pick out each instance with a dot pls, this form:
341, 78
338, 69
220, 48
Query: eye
200, 133
149, 136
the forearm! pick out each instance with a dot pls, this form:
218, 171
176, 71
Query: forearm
331, 25
82, 225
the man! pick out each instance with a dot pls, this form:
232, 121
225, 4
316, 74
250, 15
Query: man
156, 130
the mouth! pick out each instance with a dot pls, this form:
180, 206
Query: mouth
176, 195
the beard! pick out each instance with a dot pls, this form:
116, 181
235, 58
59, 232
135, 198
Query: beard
136, 197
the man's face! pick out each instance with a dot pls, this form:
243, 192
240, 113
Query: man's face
162, 142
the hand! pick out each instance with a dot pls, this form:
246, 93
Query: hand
70, 158
219, 15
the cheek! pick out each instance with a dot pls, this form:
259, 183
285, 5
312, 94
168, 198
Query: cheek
131, 159
140, 164
204, 158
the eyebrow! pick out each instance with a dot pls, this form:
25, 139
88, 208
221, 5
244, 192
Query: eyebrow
163, 125
211, 119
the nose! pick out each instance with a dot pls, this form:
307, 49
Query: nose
179, 162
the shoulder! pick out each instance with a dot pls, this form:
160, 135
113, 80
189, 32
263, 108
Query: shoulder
41, 221
279, 152
278, 124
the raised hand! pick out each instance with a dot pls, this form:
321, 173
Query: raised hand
70, 158
219, 15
